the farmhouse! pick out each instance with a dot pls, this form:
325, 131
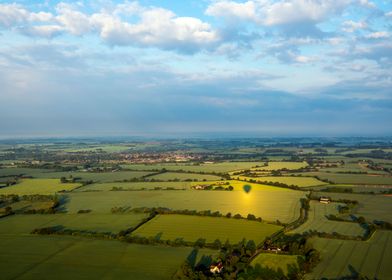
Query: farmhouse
325, 200
199, 187
216, 268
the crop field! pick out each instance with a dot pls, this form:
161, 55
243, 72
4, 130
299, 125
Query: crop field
371, 207
218, 167
19, 224
352, 178
135, 186
356, 188
25, 205
62, 257
210, 228
268, 203
184, 176
301, 182
339, 258
277, 165
38, 186
275, 261
317, 221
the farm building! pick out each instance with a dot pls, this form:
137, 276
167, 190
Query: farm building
325, 200
216, 268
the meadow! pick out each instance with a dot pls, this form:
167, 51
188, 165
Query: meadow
278, 165
341, 257
270, 203
209, 228
275, 261
63, 257
360, 179
301, 182
113, 223
38, 186
184, 176
135, 186
317, 221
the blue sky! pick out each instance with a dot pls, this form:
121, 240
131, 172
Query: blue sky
257, 67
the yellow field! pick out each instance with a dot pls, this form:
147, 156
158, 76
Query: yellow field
38, 186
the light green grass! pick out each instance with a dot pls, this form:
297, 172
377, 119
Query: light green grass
38, 186
19, 224
183, 176
275, 261
369, 258
317, 221
359, 179
270, 203
289, 180
135, 186
191, 228
63, 257
276, 165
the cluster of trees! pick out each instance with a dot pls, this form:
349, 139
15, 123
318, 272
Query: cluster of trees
6, 202
146, 189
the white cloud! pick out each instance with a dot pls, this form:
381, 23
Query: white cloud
270, 13
378, 35
352, 26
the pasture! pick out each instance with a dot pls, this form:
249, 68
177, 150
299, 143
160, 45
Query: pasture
24, 224
360, 179
278, 165
317, 221
301, 182
341, 257
135, 186
184, 176
371, 207
209, 228
65, 257
268, 203
275, 261
38, 186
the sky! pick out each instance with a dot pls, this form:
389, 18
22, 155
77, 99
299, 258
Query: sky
161, 68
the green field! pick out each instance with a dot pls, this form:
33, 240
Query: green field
19, 224
275, 261
370, 258
359, 179
63, 257
184, 176
372, 207
38, 186
301, 182
219, 167
317, 221
277, 165
269, 203
191, 228
135, 186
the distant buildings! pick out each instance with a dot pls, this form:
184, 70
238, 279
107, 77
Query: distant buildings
325, 200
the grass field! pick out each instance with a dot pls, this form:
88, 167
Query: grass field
275, 262
270, 203
135, 186
276, 165
318, 222
370, 258
219, 167
372, 207
184, 176
301, 182
359, 179
209, 228
38, 186
19, 224
356, 188
62, 257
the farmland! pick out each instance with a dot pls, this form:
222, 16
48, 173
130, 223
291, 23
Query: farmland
317, 221
276, 262
301, 182
38, 186
277, 165
359, 179
342, 257
265, 203
135, 186
183, 177
208, 228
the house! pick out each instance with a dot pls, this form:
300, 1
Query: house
274, 249
325, 200
198, 187
216, 268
